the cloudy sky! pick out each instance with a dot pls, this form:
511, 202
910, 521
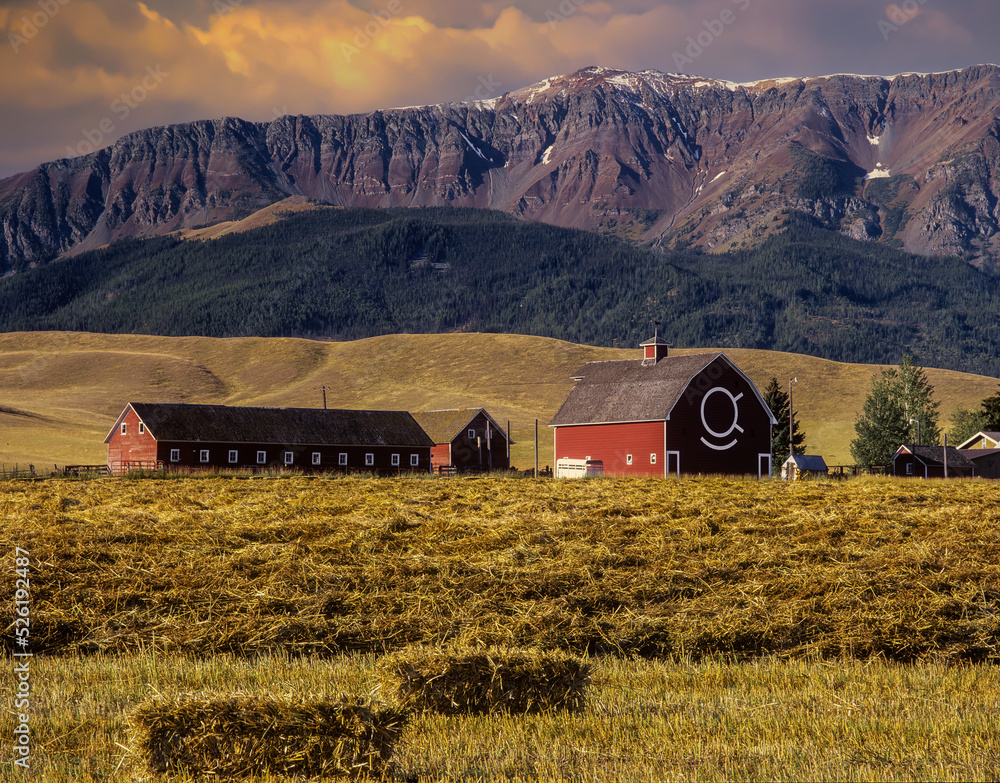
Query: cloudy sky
77, 74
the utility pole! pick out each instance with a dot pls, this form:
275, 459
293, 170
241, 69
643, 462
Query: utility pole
536, 448
324, 389
791, 419
508, 444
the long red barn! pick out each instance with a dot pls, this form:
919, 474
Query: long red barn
666, 416
309, 439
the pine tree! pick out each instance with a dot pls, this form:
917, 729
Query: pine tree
880, 428
777, 401
991, 414
899, 402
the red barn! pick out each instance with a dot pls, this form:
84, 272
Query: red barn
666, 416
465, 439
154, 435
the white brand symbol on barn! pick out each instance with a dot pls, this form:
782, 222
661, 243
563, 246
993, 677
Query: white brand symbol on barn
734, 426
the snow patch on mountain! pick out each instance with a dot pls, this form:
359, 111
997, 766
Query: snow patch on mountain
878, 172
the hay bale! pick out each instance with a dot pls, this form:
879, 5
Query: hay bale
238, 735
484, 681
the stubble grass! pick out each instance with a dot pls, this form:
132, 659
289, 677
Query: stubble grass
644, 720
736, 630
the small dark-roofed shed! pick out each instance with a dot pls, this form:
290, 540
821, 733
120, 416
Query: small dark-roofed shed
799, 466
465, 439
309, 439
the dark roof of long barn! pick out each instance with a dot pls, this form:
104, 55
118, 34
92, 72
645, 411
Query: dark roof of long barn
313, 426
623, 391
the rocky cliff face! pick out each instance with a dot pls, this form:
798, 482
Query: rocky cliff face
667, 159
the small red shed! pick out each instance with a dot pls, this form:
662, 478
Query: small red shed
666, 416
179, 436
465, 439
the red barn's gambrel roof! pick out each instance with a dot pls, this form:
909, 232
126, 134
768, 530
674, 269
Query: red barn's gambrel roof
629, 391
312, 426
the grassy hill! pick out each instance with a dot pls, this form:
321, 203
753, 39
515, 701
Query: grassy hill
295, 270
60, 392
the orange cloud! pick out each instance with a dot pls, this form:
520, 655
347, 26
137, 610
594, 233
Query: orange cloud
256, 58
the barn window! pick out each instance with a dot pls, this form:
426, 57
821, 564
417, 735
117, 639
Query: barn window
628, 459
909, 468
234, 456
175, 455
414, 460
395, 460
261, 457
369, 459
289, 457
317, 458
472, 434
203, 455
652, 459
124, 428
342, 459
142, 428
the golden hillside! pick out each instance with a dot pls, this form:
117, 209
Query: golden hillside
60, 392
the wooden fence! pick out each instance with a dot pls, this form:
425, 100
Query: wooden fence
31, 472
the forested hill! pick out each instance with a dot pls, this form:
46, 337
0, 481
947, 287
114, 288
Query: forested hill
351, 273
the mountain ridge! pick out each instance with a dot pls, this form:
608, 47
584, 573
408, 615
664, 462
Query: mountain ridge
669, 160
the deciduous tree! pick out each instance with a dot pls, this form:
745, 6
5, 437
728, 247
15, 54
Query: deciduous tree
900, 396
965, 422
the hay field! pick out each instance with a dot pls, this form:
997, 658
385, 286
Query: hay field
61, 392
645, 720
860, 569
736, 629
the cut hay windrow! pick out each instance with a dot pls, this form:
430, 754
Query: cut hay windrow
474, 682
239, 735
665, 569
